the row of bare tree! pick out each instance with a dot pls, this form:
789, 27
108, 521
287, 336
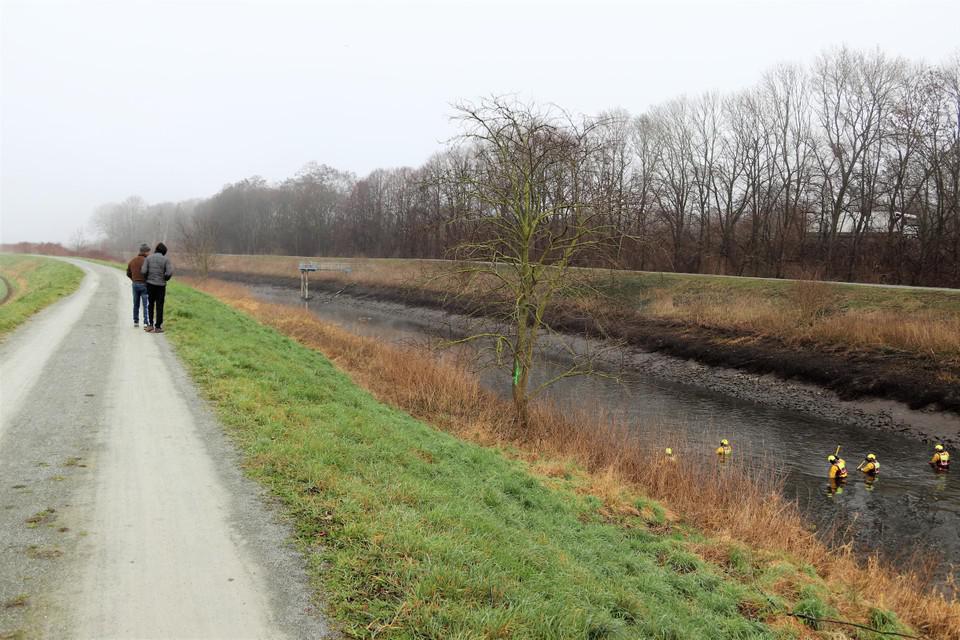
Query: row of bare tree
848, 168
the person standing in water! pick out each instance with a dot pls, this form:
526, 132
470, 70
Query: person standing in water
157, 270
724, 450
941, 459
838, 469
870, 467
837, 474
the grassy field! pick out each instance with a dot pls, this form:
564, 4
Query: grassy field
35, 283
833, 316
414, 532
622, 284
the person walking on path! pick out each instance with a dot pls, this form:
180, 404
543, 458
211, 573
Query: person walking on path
139, 284
157, 270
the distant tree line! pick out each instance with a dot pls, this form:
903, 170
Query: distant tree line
848, 168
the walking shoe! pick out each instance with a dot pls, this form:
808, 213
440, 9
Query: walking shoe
148, 329
136, 325
158, 330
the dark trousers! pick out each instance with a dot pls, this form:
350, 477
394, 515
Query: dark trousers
157, 293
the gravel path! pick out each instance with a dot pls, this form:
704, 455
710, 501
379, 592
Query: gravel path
123, 513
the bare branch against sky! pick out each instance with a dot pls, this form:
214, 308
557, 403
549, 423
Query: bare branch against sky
170, 100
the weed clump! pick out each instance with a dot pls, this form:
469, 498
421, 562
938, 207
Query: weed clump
42, 517
17, 601
37, 552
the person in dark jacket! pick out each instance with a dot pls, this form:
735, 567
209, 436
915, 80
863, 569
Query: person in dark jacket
139, 284
157, 270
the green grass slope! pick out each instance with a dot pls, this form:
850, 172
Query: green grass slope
36, 283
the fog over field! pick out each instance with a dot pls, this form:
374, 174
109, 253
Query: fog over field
171, 100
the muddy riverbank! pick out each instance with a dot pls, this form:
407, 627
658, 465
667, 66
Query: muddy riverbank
856, 388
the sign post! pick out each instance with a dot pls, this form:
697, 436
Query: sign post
305, 269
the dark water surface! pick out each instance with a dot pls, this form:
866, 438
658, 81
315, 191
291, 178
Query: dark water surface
908, 508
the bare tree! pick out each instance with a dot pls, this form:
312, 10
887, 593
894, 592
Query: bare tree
785, 91
729, 185
122, 224
530, 217
645, 146
675, 174
853, 92
198, 235
705, 120
611, 185
78, 240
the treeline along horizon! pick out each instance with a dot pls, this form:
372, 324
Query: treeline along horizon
846, 168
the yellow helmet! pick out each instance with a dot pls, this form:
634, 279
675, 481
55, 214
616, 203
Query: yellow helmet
939, 447
669, 451
724, 442
870, 456
831, 458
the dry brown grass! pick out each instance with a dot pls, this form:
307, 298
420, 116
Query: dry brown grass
813, 318
379, 272
729, 502
926, 333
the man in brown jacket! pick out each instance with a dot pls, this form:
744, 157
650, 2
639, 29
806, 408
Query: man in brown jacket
139, 286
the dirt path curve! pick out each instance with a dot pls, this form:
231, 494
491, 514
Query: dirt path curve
123, 513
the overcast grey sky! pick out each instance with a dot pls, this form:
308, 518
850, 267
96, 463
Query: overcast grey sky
171, 100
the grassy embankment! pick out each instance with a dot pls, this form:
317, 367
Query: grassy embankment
412, 532
34, 283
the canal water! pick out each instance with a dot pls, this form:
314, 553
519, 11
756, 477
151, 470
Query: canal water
908, 509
